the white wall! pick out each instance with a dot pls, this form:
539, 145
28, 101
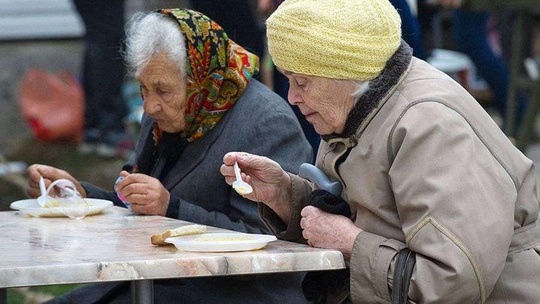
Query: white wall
48, 19
38, 19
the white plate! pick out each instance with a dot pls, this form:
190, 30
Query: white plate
221, 242
31, 207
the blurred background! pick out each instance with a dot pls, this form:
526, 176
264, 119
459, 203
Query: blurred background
49, 36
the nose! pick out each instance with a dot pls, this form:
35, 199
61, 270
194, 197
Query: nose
293, 96
151, 105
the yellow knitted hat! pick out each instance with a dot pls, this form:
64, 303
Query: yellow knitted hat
340, 39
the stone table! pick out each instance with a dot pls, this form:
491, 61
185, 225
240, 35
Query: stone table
115, 246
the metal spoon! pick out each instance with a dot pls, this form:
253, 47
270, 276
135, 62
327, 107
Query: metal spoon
239, 185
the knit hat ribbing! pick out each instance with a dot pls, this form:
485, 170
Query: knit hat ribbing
340, 39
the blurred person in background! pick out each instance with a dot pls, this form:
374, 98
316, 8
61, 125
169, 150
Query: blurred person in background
436, 204
411, 31
103, 78
240, 20
200, 102
470, 33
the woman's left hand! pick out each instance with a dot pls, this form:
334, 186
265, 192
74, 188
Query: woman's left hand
326, 230
146, 194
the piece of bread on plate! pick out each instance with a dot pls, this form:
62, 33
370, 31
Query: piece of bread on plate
159, 239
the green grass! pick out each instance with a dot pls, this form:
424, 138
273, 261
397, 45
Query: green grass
36, 294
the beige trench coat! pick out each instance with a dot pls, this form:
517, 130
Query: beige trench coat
430, 170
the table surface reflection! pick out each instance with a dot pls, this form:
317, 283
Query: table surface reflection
115, 246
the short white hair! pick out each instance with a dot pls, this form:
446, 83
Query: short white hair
360, 87
150, 33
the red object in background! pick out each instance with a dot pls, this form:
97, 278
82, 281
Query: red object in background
52, 105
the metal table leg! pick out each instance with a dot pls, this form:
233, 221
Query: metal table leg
3, 295
142, 292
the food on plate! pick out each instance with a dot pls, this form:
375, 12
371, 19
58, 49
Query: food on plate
159, 239
57, 204
223, 238
51, 204
242, 190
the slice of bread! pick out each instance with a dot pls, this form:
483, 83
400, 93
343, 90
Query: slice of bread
159, 239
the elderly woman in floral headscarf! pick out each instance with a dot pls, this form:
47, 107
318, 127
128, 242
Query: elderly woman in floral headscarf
200, 102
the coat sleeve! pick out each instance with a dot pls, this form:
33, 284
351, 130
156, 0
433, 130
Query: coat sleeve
291, 231
97, 192
455, 200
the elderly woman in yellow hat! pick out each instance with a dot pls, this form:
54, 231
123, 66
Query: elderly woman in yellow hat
440, 207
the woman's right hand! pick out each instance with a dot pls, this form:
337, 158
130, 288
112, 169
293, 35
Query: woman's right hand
271, 184
50, 174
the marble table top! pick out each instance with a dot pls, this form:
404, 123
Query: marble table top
115, 246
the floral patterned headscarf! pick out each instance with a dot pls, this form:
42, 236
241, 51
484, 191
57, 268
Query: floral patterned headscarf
218, 72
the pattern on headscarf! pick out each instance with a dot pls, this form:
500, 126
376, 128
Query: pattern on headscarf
218, 71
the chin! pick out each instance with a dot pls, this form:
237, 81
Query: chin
170, 128
165, 128
322, 131
320, 126
324, 128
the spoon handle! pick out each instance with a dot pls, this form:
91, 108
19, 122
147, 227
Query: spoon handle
42, 188
237, 172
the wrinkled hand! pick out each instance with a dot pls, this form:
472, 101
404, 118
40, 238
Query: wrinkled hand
146, 194
326, 230
271, 184
50, 174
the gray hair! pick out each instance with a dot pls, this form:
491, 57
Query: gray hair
148, 34
360, 87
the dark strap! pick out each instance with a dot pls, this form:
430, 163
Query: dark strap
407, 275
402, 276
398, 278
